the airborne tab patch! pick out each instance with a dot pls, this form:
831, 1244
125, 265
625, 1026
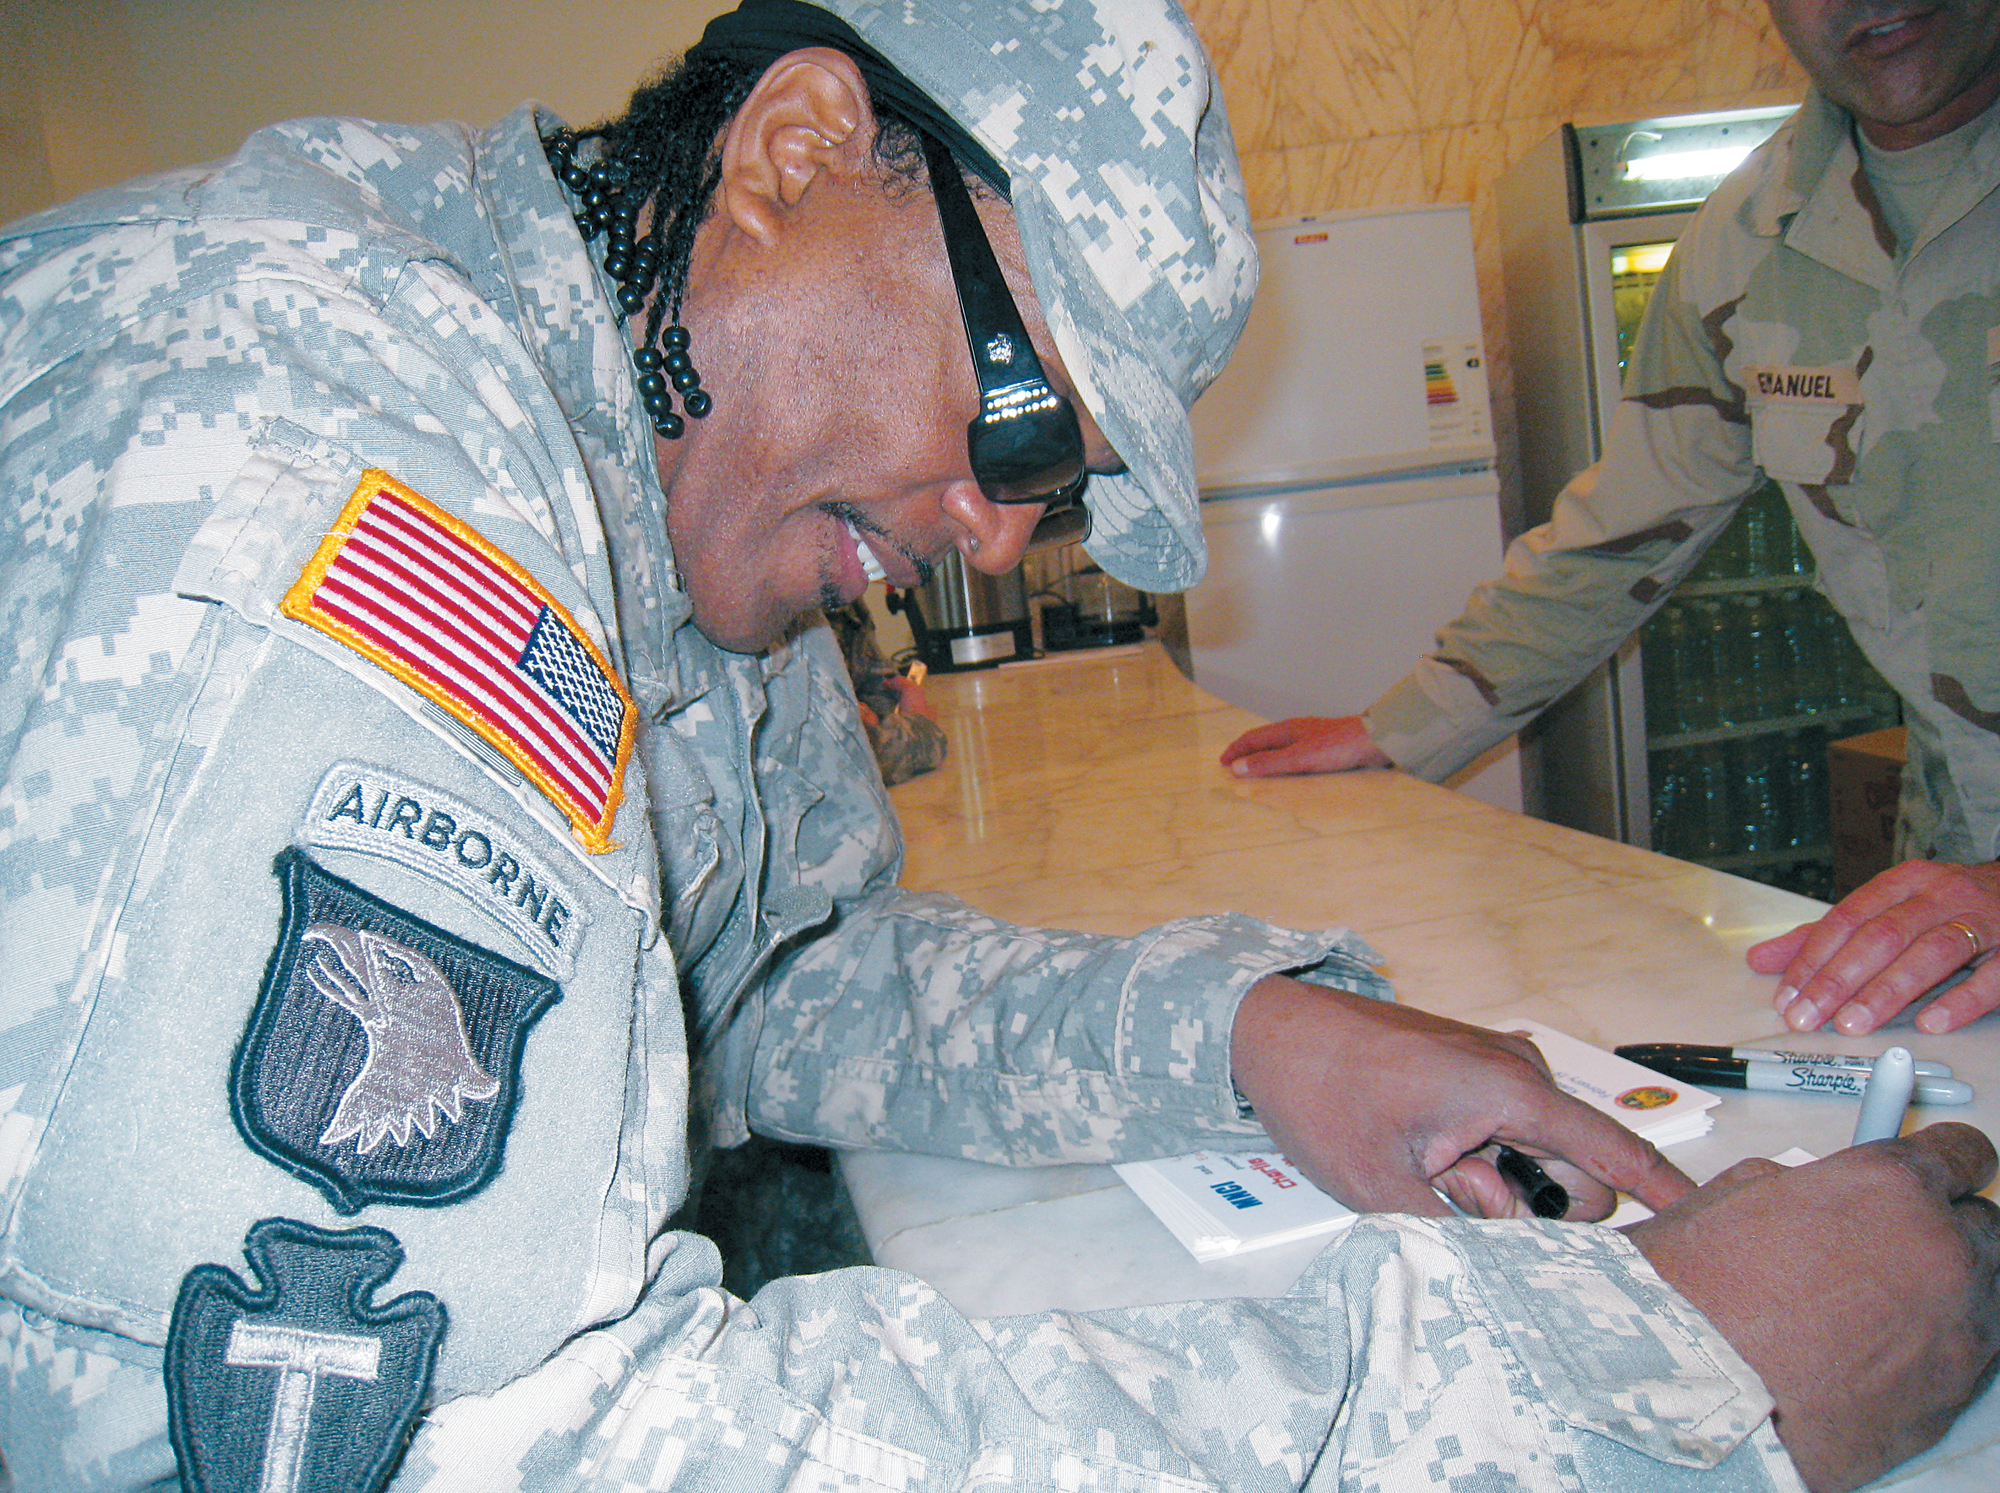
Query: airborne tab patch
304, 1385
382, 1061
448, 840
428, 598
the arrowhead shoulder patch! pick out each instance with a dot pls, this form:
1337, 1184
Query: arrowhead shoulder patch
300, 1384
382, 1061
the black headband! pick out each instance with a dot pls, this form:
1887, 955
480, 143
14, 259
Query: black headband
762, 31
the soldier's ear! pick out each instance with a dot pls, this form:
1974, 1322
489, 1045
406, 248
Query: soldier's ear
808, 116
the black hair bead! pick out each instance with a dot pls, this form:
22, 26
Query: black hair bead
604, 201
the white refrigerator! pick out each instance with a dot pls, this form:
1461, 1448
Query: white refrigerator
1349, 496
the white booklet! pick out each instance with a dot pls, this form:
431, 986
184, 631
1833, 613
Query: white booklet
1664, 1110
1221, 1203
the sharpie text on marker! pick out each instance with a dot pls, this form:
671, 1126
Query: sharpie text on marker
1645, 1052
1793, 1078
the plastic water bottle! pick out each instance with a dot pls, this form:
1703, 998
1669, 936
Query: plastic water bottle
1662, 659
1756, 813
1764, 682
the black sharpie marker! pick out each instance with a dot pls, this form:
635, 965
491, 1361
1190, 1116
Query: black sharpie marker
1645, 1052
1780, 1078
1546, 1197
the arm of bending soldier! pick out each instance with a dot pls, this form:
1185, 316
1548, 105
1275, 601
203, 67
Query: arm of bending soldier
1621, 535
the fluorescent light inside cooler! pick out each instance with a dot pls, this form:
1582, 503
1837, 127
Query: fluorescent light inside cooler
1270, 525
1682, 165
1643, 259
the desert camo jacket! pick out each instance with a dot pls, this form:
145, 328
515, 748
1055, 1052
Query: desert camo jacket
1787, 338
328, 976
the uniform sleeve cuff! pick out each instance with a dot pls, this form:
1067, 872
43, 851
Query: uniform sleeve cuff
1178, 1008
1434, 722
1611, 1347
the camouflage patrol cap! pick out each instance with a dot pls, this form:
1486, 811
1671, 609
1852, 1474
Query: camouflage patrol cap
1125, 185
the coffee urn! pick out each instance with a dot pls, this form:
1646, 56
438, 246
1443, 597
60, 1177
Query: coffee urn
967, 619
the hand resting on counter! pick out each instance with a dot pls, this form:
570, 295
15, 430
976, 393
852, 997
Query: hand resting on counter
1861, 1288
1305, 743
1885, 944
1379, 1104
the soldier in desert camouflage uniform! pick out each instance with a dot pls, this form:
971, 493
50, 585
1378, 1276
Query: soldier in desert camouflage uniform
427, 822
1832, 321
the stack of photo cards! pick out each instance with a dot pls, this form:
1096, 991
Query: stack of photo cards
1222, 1203
1663, 1110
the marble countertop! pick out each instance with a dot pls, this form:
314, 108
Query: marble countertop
1082, 791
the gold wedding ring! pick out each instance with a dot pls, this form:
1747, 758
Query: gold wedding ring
1978, 948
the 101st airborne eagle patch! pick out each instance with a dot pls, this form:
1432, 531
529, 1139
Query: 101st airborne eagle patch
303, 1385
427, 597
382, 1061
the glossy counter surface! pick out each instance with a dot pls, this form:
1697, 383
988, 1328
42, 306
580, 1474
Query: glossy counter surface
1083, 792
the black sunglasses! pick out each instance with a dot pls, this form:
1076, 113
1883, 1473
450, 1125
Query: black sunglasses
1025, 444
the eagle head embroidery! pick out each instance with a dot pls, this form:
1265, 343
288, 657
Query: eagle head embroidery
419, 1061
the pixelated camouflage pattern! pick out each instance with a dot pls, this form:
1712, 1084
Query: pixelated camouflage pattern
1784, 266
1126, 188
193, 372
906, 745
1413, 1354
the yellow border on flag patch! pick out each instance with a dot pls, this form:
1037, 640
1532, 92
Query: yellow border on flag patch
300, 603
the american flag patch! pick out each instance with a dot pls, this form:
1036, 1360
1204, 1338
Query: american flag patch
424, 595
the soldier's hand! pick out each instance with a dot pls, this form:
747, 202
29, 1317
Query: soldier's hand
1885, 945
1379, 1104
910, 696
1862, 1288
1305, 743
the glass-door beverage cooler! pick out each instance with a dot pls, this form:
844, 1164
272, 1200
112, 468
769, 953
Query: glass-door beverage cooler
1705, 735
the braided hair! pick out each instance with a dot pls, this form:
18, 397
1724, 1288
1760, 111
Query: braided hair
665, 153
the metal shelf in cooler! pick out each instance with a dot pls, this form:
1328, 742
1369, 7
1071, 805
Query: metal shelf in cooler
1784, 855
1775, 726
1738, 584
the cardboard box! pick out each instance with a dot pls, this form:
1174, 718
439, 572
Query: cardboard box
1865, 776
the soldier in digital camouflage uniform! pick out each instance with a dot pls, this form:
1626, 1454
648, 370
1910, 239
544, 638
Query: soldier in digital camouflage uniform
907, 743
414, 755
1831, 320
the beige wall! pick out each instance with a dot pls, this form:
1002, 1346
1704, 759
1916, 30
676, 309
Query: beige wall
93, 91
1336, 103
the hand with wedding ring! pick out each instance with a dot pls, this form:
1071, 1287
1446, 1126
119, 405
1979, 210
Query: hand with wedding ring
1888, 944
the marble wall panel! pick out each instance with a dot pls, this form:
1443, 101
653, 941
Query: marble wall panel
1346, 104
